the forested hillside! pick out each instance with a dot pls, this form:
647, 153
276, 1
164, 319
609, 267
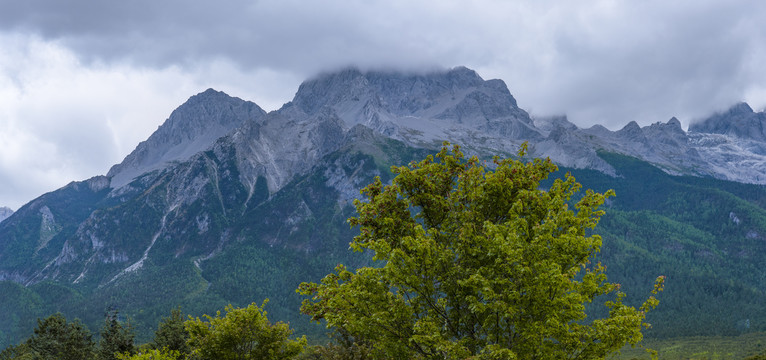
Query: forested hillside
705, 235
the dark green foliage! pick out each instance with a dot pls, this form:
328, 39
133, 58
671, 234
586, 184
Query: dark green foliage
15, 352
21, 306
56, 293
337, 352
116, 338
171, 334
54, 338
342, 347
242, 334
148, 295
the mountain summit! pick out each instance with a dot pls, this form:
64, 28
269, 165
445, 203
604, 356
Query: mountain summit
458, 105
419, 108
739, 121
191, 128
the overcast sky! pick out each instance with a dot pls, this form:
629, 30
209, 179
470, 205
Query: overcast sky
82, 82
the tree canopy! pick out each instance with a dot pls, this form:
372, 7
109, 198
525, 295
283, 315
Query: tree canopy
243, 333
153, 354
171, 334
55, 338
116, 338
477, 260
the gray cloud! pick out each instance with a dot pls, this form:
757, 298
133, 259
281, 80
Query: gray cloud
117, 68
286, 35
683, 61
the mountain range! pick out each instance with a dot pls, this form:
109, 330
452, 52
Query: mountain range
226, 203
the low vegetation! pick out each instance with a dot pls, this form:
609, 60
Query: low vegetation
477, 263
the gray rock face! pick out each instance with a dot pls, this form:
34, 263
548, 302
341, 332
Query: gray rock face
459, 106
733, 144
730, 145
423, 110
739, 121
191, 128
396, 93
5, 212
281, 147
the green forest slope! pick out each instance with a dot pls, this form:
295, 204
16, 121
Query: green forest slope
706, 236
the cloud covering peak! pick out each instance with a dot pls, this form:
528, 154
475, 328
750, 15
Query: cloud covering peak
82, 82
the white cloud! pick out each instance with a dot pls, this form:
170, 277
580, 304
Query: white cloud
61, 121
82, 82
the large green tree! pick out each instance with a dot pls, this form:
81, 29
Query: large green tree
116, 338
153, 354
473, 262
243, 333
171, 334
55, 338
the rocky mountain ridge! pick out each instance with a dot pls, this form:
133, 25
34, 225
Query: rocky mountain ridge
224, 156
425, 109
